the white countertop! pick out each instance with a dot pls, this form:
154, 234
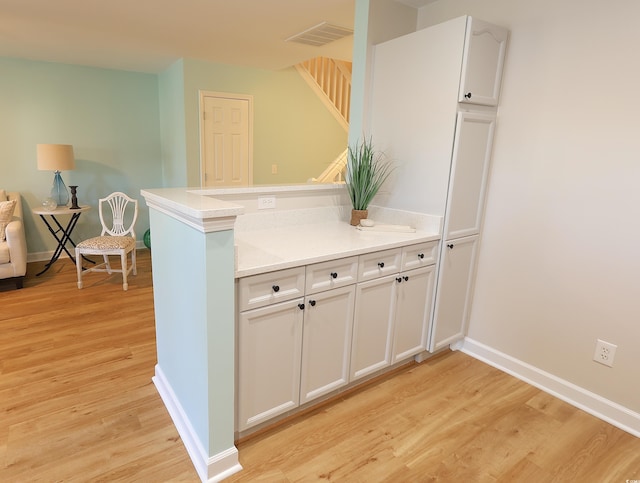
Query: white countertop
267, 250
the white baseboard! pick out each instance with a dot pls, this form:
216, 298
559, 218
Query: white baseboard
596, 405
210, 469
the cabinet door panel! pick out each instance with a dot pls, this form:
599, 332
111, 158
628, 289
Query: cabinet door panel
269, 350
482, 63
454, 290
413, 313
469, 172
372, 326
326, 344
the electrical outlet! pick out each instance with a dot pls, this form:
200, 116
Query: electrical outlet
266, 202
274, 169
605, 352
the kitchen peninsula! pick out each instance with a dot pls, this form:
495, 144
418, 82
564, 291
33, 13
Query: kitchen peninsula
205, 242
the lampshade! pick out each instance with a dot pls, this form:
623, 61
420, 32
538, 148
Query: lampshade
55, 157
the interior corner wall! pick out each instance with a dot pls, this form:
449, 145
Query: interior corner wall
291, 126
109, 116
558, 260
172, 126
375, 21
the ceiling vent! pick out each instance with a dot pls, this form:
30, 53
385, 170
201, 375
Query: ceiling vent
320, 34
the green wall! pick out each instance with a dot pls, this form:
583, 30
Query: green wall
292, 128
110, 117
132, 131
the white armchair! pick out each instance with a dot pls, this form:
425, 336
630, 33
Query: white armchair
13, 250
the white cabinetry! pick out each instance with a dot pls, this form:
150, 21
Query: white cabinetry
392, 312
455, 284
482, 63
425, 86
269, 350
293, 351
326, 343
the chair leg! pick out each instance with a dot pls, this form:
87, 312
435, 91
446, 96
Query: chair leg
19, 282
79, 267
133, 262
107, 264
123, 257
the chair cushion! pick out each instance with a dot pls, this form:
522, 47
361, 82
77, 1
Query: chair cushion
5, 255
6, 212
108, 243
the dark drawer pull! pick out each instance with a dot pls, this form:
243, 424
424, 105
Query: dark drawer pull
381, 264
275, 288
334, 275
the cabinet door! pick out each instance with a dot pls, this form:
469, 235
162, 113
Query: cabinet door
454, 291
269, 350
326, 343
482, 62
373, 325
413, 312
469, 172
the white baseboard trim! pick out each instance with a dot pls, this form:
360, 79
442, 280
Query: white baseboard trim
596, 405
210, 469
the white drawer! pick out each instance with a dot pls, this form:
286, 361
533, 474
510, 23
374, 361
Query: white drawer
268, 288
378, 264
331, 274
421, 255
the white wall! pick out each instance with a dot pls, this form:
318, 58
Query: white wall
559, 264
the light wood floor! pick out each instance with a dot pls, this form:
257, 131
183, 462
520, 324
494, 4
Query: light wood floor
77, 404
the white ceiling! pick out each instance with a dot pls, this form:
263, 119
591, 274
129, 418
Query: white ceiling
149, 35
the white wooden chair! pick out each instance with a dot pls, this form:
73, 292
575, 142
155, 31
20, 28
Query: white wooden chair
119, 239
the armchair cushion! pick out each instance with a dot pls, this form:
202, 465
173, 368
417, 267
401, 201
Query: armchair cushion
13, 250
6, 214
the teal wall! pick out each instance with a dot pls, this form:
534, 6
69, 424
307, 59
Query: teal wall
132, 131
172, 126
194, 306
292, 128
110, 117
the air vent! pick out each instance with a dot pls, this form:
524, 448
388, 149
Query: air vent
320, 34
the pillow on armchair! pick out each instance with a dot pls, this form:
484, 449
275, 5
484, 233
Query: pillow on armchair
6, 213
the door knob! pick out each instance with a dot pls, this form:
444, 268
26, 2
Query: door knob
301, 306
450, 245
312, 303
468, 95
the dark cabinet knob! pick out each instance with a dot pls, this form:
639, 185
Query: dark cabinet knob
275, 288
450, 245
381, 264
420, 256
405, 278
312, 303
301, 306
468, 95
399, 279
334, 275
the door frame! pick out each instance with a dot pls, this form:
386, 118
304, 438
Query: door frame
225, 95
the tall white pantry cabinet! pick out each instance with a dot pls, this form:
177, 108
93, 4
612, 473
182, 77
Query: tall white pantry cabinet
433, 113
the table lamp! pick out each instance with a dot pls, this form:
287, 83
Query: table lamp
57, 157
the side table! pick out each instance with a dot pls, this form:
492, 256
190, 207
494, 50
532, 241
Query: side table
61, 233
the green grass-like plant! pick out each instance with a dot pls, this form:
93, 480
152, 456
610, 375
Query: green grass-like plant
366, 172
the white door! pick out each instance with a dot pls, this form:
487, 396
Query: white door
226, 140
326, 343
270, 345
469, 171
413, 313
482, 62
373, 326
454, 290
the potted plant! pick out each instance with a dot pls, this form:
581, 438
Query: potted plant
366, 172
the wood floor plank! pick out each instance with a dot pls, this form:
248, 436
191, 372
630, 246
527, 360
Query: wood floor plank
77, 404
